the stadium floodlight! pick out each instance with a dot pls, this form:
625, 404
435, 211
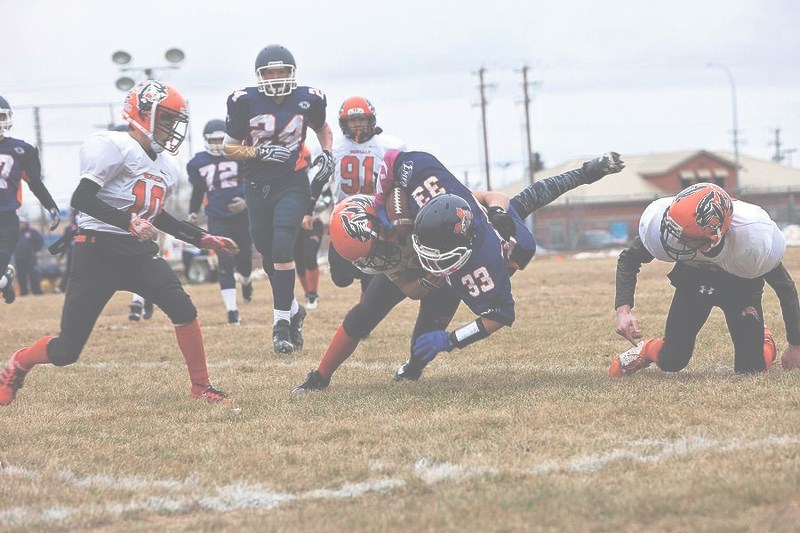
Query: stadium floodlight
120, 57
125, 83
174, 55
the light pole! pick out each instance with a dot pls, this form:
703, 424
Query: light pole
735, 120
175, 56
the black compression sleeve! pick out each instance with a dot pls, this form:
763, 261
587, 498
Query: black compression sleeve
179, 229
41, 193
782, 283
85, 199
628, 266
198, 193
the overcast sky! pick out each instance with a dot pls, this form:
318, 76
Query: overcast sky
629, 76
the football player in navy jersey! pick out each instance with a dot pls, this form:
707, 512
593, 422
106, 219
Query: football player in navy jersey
125, 182
724, 251
475, 250
18, 161
481, 230
215, 177
266, 127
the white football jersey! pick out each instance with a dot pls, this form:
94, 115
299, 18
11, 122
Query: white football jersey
129, 180
356, 165
753, 246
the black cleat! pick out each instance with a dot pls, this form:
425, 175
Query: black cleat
296, 328
233, 318
312, 300
314, 381
136, 312
281, 339
9, 295
247, 292
411, 370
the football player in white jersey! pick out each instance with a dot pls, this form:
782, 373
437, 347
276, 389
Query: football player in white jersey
125, 181
724, 251
357, 156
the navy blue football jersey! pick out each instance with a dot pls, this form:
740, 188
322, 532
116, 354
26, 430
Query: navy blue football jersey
18, 160
219, 178
484, 282
256, 119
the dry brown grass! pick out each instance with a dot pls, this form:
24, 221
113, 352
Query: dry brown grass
524, 432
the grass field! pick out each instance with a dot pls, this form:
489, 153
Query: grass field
522, 432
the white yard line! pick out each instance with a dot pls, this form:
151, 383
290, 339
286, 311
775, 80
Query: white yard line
185, 495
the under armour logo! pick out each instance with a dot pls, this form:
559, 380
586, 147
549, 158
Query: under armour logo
705, 289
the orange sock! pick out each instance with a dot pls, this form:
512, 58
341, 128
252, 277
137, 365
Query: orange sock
35, 355
340, 348
303, 281
312, 280
770, 350
190, 341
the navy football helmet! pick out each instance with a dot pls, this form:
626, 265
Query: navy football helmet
5, 116
275, 57
214, 136
444, 231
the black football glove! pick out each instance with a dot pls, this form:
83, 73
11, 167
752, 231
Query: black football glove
273, 153
325, 163
608, 163
502, 222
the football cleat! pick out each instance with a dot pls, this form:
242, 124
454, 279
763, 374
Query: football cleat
411, 370
233, 318
247, 292
136, 312
629, 362
210, 394
9, 295
314, 381
11, 380
296, 328
148, 310
312, 300
281, 339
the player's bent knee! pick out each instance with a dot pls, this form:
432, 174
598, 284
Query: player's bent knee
359, 322
62, 351
177, 305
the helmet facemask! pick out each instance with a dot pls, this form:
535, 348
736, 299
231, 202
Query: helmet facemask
440, 263
169, 128
215, 142
6, 120
276, 86
383, 257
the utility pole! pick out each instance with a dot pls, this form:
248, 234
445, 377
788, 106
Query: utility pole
531, 163
778, 157
735, 120
482, 87
37, 128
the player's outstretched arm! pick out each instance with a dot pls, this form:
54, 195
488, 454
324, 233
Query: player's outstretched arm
542, 192
194, 235
629, 264
782, 283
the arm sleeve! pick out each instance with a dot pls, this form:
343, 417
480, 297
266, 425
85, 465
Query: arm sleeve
179, 229
628, 265
33, 177
318, 106
196, 200
782, 283
542, 192
85, 199
235, 125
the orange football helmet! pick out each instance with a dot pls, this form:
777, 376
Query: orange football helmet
696, 221
357, 235
357, 107
159, 111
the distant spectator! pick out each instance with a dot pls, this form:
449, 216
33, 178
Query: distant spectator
29, 243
